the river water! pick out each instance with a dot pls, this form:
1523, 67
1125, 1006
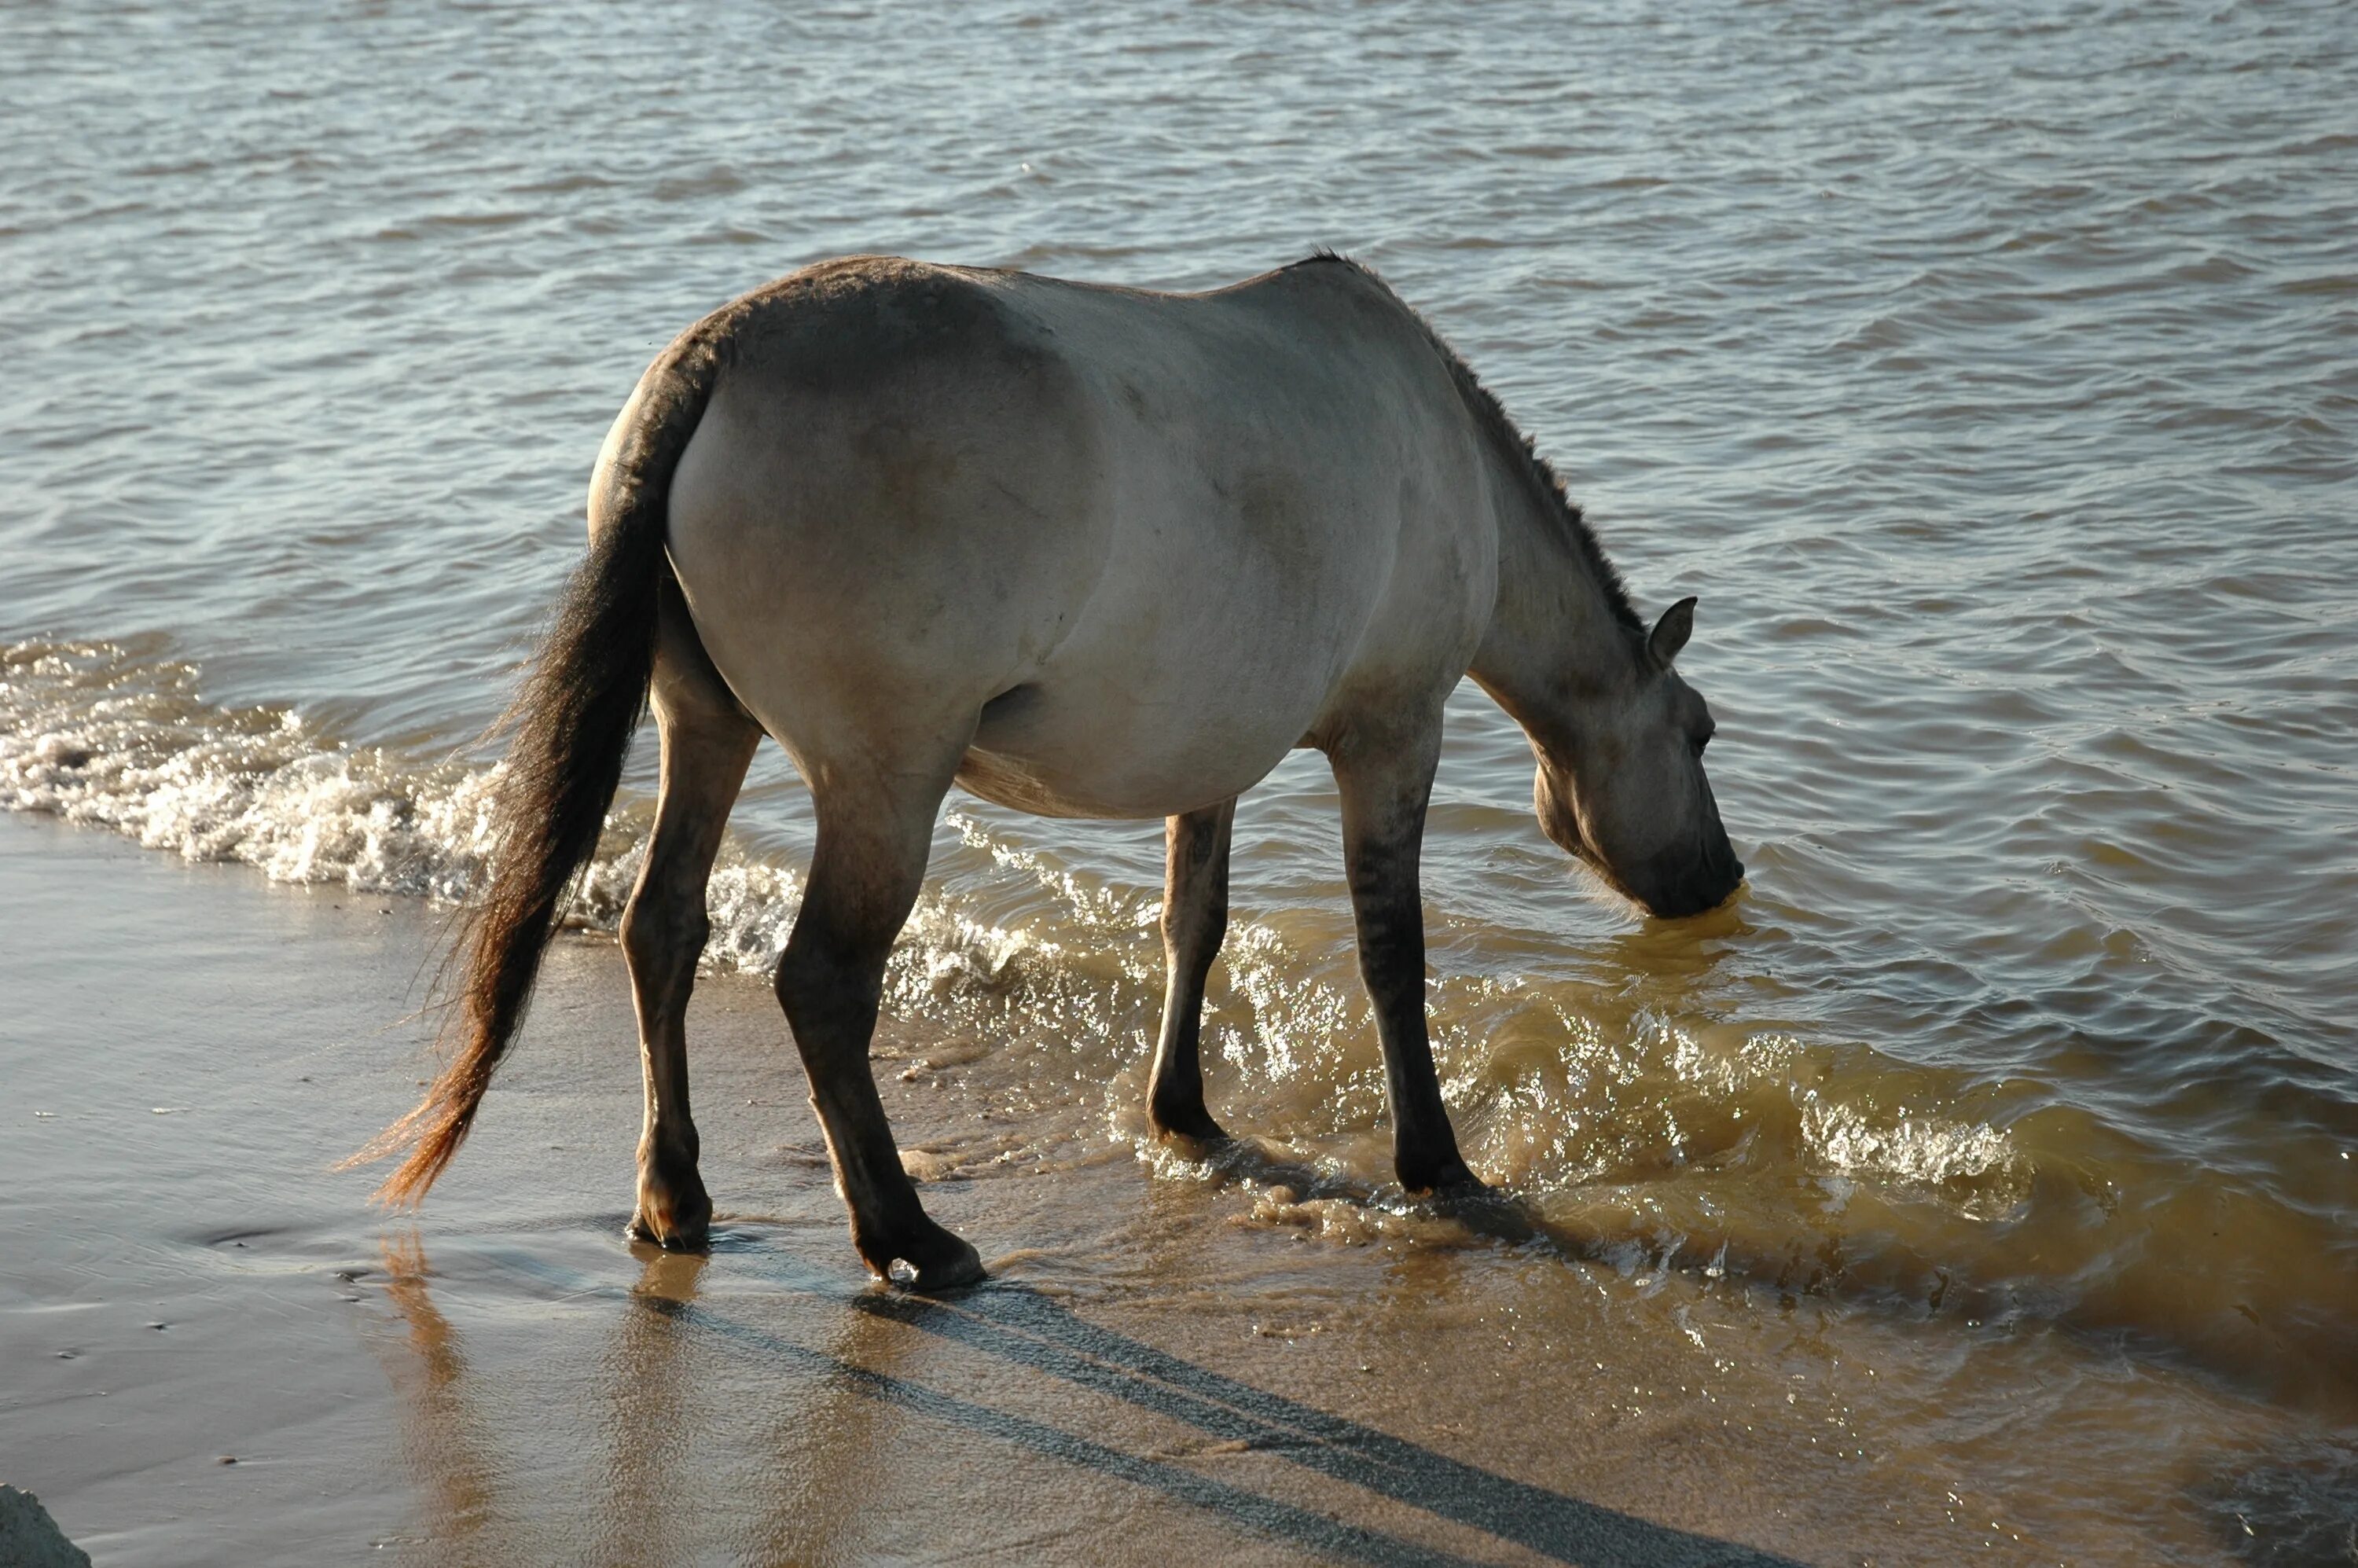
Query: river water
1990, 374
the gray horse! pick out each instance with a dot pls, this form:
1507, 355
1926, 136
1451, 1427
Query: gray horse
1087, 552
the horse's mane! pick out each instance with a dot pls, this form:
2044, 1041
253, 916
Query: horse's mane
1511, 442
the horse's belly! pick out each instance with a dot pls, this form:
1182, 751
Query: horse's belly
1012, 784
1045, 752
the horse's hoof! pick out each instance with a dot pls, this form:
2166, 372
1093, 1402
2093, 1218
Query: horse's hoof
1461, 1183
678, 1221
1449, 1179
943, 1261
951, 1273
673, 1238
1189, 1124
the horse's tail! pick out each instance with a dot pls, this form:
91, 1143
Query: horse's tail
572, 723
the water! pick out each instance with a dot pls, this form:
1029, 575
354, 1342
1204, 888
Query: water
1988, 374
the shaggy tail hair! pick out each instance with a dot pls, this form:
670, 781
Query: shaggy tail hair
572, 722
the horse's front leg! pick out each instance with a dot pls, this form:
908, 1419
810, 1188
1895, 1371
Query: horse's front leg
1194, 921
1385, 779
875, 827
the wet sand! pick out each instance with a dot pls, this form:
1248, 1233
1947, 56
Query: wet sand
1172, 1364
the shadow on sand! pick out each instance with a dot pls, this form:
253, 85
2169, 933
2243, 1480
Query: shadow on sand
1021, 1325
1017, 1325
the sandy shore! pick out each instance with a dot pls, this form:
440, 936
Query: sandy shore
1167, 1367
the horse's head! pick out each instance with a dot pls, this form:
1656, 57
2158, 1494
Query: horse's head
1628, 795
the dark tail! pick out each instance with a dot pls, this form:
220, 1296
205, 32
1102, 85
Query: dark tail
572, 722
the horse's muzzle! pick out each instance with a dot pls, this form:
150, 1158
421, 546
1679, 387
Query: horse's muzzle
1674, 888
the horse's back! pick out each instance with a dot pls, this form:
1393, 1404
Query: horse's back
1153, 539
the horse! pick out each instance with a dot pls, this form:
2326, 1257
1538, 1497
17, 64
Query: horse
1084, 551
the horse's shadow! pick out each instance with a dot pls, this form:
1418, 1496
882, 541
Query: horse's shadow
1020, 1324
665, 1316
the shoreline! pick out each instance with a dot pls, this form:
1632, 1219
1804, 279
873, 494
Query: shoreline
1167, 1359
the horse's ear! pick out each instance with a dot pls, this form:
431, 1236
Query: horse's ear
1671, 631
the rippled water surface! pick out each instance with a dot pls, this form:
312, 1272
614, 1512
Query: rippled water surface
1990, 374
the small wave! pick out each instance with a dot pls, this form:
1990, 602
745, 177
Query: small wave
1972, 1162
97, 735
117, 736
106, 735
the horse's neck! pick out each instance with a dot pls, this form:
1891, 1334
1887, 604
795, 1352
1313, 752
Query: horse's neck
1556, 652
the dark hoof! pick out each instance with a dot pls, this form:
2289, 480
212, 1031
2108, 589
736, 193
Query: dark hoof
678, 1218
1448, 1179
1191, 1124
673, 1238
938, 1259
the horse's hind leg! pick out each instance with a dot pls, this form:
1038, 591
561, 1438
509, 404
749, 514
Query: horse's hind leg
1194, 921
875, 830
706, 743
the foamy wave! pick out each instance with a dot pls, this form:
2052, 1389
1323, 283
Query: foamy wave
749, 904
94, 735
100, 735
1106, 908
1972, 1163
